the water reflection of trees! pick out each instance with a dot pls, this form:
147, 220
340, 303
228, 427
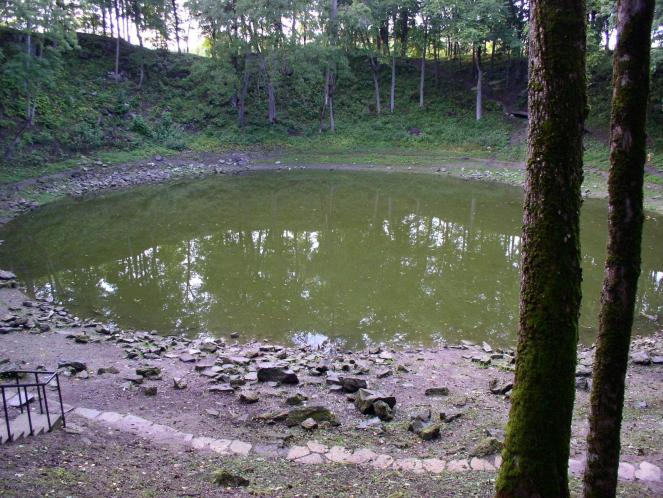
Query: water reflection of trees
360, 257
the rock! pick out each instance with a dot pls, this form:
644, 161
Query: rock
150, 390
583, 383
212, 412
352, 384
179, 383
429, 432
186, 358
221, 389
486, 347
149, 372
234, 335
158, 158
449, 416
209, 347
318, 413
583, 371
229, 480
73, 366
640, 358
648, 472
657, 360
7, 275
107, 370
271, 417
497, 386
309, 424
437, 391
487, 446
383, 410
204, 364
272, 373
296, 399
364, 400
424, 429
83, 375
133, 378
424, 415
249, 397
371, 424
385, 372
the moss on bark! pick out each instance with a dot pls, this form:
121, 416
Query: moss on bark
535, 458
625, 219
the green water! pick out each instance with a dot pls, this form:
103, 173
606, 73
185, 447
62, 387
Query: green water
303, 256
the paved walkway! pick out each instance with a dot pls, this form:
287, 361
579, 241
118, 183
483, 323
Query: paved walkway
315, 453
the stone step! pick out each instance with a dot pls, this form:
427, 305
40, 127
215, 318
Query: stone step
20, 426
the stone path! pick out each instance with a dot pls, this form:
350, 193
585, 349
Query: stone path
315, 453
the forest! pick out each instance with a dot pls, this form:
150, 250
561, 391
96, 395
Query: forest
445, 76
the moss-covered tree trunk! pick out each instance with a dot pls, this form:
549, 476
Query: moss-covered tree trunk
622, 268
535, 457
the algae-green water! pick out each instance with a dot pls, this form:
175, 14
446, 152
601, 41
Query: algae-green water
303, 256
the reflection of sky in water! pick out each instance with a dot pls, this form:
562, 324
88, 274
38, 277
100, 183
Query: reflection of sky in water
306, 257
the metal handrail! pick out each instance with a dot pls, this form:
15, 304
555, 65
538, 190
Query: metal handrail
41, 394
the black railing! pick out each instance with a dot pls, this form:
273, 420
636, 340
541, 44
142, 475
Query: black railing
23, 391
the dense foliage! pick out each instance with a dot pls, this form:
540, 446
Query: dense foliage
377, 73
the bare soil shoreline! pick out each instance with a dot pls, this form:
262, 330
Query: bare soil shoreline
464, 375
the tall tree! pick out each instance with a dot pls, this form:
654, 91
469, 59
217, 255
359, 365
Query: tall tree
630, 83
535, 457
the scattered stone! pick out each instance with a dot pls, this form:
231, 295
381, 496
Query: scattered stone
179, 383
309, 424
371, 424
234, 335
352, 384
73, 366
365, 399
296, 399
381, 374
149, 372
648, 472
429, 432
204, 364
449, 416
249, 397
583, 384
657, 360
107, 370
82, 375
583, 371
7, 275
221, 389
626, 471
229, 480
481, 464
150, 390
187, 358
383, 410
486, 347
487, 446
640, 358
497, 386
272, 373
133, 378
212, 412
437, 391
318, 413
209, 347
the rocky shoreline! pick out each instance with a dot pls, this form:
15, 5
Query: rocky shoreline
94, 177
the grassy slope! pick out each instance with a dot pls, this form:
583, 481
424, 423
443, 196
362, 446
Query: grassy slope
181, 106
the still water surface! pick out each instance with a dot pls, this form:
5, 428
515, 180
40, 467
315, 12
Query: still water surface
303, 256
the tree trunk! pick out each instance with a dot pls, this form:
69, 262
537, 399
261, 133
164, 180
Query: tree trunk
177, 26
375, 69
536, 453
117, 43
392, 93
271, 101
479, 105
242, 95
422, 74
622, 268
